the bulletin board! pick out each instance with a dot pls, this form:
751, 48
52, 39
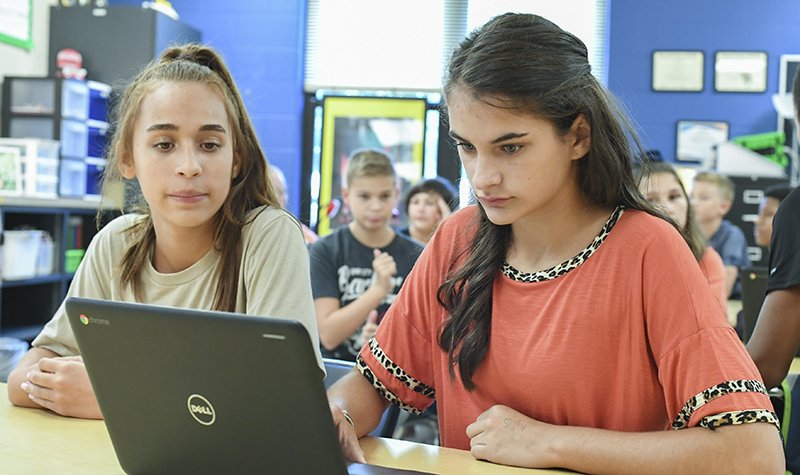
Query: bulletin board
16, 23
393, 125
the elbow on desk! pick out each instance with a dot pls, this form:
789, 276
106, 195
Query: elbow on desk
16, 395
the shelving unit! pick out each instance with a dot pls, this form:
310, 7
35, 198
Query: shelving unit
27, 304
74, 112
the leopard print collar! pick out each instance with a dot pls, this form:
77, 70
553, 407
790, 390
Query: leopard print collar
566, 266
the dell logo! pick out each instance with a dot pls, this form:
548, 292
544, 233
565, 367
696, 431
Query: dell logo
201, 410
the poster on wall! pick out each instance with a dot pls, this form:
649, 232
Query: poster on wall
16, 23
394, 126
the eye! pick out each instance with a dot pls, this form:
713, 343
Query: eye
511, 148
467, 147
163, 146
210, 146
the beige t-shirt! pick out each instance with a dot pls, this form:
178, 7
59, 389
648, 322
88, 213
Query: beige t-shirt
274, 277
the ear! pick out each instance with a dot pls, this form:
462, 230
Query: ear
580, 135
725, 206
126, 166
345, 194
235, 170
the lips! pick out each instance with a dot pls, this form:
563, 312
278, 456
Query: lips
188, 196
187, 193
493, 200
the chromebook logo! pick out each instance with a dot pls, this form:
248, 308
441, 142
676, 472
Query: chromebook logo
95, 321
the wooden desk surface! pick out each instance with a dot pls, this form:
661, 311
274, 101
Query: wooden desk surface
37, 441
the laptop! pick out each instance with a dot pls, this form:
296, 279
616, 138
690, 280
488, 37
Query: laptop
754, 290
191, 391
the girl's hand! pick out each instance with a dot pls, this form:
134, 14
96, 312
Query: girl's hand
370, 327
347, 435
62, 385
444, 209
384, 268
505, 436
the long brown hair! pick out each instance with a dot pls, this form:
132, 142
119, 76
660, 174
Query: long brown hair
527, 64
691, 231
250, 188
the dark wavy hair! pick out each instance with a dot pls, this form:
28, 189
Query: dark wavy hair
528, 65
440, 186
249, 189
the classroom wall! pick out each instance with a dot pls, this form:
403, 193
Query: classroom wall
15, 61
638, 28
262, 41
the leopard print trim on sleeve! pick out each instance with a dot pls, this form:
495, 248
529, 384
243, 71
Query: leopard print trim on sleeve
695, 402
558, 270
740, 417
397, 372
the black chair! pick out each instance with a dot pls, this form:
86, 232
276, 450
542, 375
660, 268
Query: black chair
336, 369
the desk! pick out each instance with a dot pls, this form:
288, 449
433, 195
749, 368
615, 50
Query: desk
37, 441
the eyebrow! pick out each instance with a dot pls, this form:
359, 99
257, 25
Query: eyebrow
173, 127
502, 138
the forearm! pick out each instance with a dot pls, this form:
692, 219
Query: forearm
698, 450
354, 394
20, 374
343, 322
776, 337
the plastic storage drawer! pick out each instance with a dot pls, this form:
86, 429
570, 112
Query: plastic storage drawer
74, 99
73, 177
74, 138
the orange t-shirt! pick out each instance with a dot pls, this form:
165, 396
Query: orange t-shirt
625, 336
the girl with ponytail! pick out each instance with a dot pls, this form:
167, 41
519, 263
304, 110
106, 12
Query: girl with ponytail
203, 230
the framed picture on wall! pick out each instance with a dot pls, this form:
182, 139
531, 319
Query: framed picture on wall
696, 140
678, 71
740, 71
395, 126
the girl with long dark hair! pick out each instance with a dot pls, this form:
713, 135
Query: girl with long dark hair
562, 321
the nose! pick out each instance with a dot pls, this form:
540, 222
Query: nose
485, 174
188, 163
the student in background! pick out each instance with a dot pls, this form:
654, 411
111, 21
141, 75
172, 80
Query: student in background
712, 197
776, 337
428, 203
357, 271
278, 180
209, 232
661, 185
773, 196
561, 322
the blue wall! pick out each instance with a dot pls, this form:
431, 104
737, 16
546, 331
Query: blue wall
638, 28
262, 43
